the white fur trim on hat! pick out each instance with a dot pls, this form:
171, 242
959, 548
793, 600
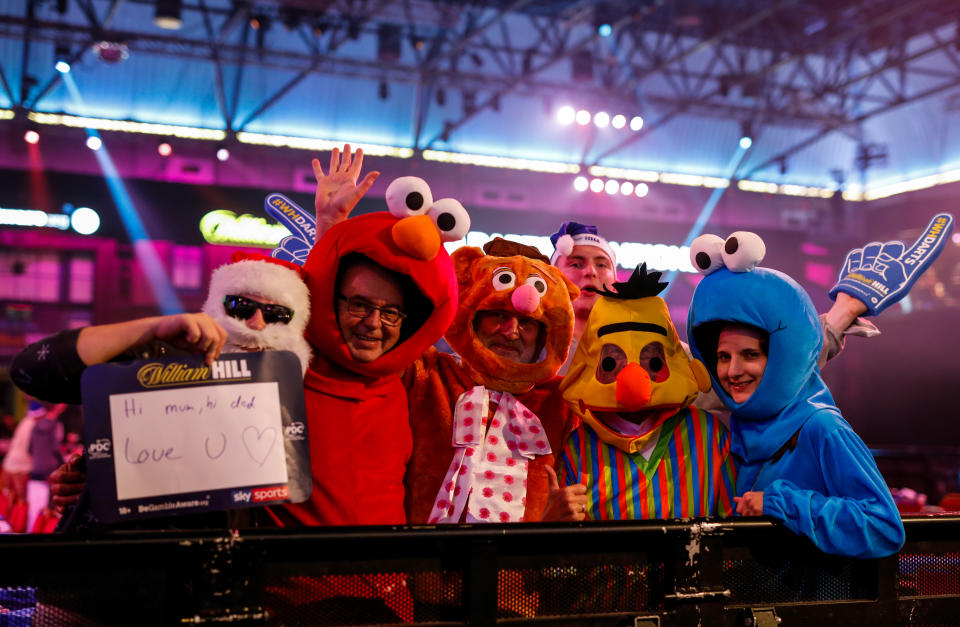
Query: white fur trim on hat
269, 281
566, 243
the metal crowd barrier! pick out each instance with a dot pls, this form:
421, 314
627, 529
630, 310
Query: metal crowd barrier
749, 573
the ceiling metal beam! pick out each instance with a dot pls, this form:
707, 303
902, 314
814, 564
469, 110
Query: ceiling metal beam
880, 20
857, 120
465, 39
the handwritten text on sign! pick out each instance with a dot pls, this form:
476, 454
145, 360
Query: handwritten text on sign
191, 440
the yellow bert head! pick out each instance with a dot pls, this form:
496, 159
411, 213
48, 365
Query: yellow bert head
630, 358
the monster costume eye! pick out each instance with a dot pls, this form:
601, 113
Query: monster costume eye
451, 218
538, 283
742, 251
612, 361
409, 196
503, 279
706, 253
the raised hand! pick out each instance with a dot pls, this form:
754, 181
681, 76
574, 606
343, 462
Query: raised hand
567, 504
338, 191
880, 274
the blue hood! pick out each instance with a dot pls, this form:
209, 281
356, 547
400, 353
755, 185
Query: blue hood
791, 389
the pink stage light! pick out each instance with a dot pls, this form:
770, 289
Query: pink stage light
31, 137
165, 149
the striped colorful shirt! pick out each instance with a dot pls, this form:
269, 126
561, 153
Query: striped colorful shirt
690, 471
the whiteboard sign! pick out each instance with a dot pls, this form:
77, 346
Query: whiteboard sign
173, 435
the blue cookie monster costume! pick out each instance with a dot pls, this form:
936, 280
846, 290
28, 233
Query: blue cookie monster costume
789, 438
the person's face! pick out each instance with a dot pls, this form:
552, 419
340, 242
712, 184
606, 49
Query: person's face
587, 266
367, 337
258, 331
256, 321
508, 335
740, 362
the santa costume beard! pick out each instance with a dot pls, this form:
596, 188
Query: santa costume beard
264, 279
275, 336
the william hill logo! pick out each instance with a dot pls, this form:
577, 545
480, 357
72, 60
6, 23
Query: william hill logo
155, 375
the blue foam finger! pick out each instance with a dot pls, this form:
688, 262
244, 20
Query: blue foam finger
870, 252
893, 249
885, 273
929, 245
301, 224
850, 262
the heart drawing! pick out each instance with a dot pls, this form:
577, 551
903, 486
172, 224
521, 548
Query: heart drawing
259, 443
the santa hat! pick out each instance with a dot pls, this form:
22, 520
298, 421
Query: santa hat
573, 234
268, 278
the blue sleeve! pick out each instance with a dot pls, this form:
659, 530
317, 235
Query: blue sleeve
857, 518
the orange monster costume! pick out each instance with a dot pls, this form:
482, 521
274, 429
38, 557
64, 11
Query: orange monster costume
485, 426
357, 421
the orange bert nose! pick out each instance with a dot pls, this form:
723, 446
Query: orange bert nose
417, 236
633, 387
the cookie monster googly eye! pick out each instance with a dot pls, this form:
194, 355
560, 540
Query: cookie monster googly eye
409, 196
743, 251
706, 253
451, 218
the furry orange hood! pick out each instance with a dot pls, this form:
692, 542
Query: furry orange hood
515, 278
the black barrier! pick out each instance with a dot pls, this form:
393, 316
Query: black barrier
750, 573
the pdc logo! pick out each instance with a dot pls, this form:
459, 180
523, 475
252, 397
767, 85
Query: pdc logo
295, 430
99, 449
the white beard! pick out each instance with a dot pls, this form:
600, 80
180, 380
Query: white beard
241, 338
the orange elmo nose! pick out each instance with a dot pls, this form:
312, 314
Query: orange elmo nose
417, 236
633, 387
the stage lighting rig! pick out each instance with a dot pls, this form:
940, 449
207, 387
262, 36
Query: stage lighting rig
111, 51
167, 14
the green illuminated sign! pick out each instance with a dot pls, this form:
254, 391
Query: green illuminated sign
226, 227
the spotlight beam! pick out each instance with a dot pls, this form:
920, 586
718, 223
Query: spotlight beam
57, 76
734, 164
166, 297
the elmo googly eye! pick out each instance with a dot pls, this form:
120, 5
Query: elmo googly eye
451, 218
742, 251
408, 196
706, 253
503, 279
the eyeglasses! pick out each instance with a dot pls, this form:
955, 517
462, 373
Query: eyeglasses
360, 308
243, 308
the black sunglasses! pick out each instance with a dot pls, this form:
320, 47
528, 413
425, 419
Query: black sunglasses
243, 308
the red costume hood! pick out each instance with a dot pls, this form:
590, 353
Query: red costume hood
374, 235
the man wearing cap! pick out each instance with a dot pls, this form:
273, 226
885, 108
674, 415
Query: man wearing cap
588, 260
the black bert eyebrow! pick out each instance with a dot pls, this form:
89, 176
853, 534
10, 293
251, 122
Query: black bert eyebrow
618, 327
